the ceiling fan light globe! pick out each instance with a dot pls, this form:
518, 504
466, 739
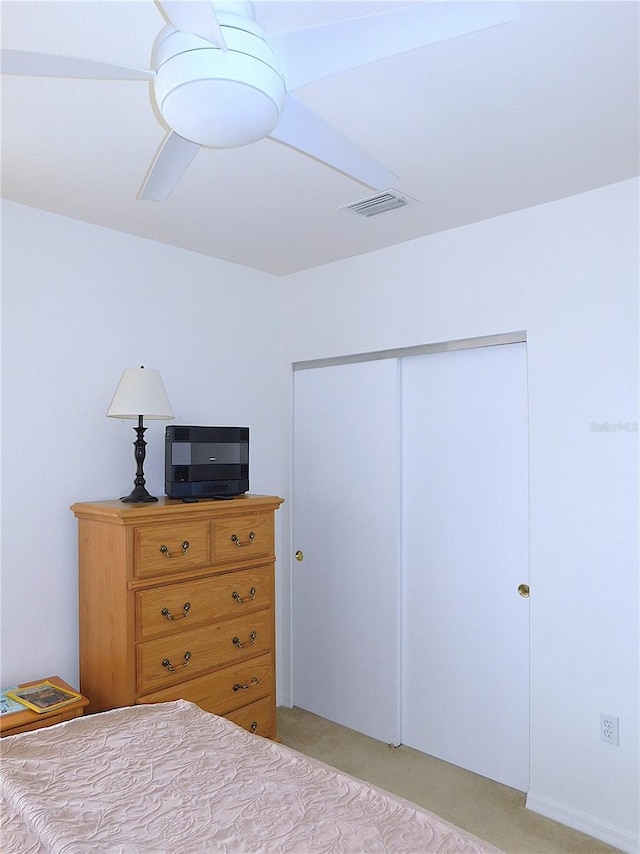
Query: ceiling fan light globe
236, 114
219, 98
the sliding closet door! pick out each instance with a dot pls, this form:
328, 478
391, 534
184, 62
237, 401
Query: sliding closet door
346, 529
465, 552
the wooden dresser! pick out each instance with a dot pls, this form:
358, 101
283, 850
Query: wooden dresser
177, 601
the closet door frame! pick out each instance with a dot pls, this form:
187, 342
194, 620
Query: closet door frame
517, 337
416, 350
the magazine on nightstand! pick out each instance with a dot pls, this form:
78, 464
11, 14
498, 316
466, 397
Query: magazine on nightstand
7, 705
42, 696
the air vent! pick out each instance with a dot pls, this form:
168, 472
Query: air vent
387, 200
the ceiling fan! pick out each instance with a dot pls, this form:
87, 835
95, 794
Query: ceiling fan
220, 81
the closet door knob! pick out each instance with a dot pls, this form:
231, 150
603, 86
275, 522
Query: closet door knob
523, 590
299, 555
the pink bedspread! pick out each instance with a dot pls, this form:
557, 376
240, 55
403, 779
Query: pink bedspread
173, 778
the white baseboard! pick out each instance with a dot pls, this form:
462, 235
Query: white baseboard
609, 833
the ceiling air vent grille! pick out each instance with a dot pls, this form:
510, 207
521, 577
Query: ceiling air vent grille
388, 200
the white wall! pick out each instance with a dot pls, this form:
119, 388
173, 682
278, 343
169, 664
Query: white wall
567, 273
80, 304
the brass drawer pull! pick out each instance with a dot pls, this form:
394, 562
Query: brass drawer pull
239, 598
252, 639
254, 727
250, 684
236, 539
166, 663
167, 613
165, 549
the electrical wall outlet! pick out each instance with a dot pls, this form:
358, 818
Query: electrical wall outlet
609, 728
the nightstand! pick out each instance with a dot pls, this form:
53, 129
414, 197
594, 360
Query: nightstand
27, 720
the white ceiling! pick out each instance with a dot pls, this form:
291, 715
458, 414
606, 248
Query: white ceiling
478, 126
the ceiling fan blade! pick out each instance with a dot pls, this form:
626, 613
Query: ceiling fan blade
194, 16
26, 64
317, 52
304, 130
169, 165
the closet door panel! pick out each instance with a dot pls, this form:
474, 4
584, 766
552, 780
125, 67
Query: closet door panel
346, 524
465, 552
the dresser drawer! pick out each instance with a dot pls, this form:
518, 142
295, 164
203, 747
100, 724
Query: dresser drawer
181, 656
242, 538
257, 717
171, 548
177, 607
224, 691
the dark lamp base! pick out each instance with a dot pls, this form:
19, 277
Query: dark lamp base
138, 496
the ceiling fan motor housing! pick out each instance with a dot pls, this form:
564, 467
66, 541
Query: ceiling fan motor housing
214, 97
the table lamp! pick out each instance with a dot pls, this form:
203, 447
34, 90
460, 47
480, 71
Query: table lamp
140, 394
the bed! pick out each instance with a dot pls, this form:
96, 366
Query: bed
170, 777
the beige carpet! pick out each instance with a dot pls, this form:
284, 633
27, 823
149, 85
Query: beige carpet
489, 810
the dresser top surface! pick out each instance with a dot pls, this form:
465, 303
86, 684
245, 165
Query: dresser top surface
115, 510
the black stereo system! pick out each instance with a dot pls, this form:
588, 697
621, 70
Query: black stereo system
206, 462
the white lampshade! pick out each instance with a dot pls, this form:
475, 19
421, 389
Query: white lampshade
140, 392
